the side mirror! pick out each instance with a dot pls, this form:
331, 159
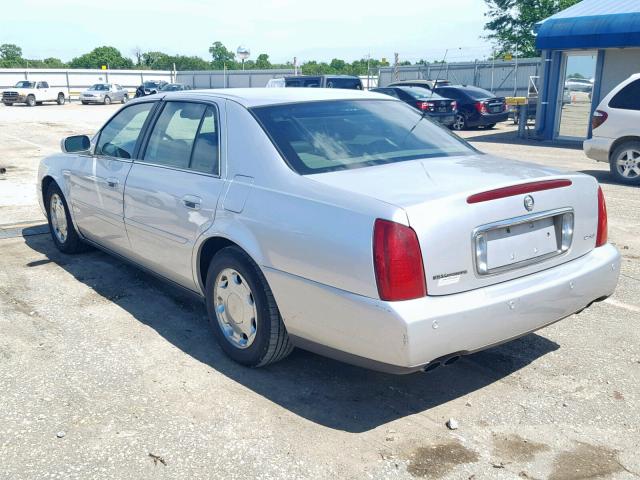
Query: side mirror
75, 144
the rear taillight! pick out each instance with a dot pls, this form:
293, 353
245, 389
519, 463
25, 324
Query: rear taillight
397, 261
603, 227
481, 107
598, 118
454, 105
423, 106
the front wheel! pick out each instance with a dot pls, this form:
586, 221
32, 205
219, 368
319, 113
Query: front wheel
31, 101
125, 99
8, 104
60, 100
107, 100
243, 312
625, 163
460, 122
62, 230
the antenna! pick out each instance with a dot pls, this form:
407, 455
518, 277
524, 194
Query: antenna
435, 83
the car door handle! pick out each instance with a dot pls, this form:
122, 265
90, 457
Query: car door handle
112, 182
191, 201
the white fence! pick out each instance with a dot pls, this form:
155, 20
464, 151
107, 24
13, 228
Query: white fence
504, 78
76, 80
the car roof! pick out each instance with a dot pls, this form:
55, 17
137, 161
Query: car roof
257, 97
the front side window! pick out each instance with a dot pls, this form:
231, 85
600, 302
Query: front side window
118, 137
317, 137
628, 98
185, 136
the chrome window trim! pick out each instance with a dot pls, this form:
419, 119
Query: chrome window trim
149, 132
478, 235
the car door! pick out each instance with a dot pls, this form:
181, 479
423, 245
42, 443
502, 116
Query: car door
42, 91
97, 180
172, 191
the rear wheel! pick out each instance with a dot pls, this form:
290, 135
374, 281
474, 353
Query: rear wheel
31, 101
460, 122
243, 312
62, 230
625, 163
107, 100
60, 100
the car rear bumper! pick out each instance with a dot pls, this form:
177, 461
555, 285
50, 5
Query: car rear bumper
598, 148
443, 118
403, 337
489, 119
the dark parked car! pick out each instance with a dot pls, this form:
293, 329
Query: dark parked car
429, 84
324, 81
439, 108
175, 87
150, 87
476, 107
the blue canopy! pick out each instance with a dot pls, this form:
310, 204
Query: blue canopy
592, 24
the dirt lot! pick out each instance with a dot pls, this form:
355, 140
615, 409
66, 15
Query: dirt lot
107, 373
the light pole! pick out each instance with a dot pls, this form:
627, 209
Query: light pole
243, 53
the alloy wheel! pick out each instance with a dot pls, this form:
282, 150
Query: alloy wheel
628, 164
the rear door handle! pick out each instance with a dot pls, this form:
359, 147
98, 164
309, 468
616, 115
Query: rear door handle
112, 182
191, 201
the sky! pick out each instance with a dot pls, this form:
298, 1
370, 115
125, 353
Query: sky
309, 30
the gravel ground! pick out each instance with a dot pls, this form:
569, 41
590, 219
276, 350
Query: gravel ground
107, 373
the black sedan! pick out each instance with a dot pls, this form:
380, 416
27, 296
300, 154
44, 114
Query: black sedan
175, 87
439, 108
476, 107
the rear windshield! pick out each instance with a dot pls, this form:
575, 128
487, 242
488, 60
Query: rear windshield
317, 137
474, 93
351, 83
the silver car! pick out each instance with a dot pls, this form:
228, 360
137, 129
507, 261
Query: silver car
104, 93
338, 221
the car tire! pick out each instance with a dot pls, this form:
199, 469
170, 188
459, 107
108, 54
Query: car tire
625, 163
107, 100
62, 231
460, 122
490, 126
242, 310
85, 103
31, 101
60, 100
125, 99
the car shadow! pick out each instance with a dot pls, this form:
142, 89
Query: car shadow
605, 176
321, 390
511, 137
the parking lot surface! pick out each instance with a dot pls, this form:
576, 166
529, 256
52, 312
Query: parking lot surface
108, 373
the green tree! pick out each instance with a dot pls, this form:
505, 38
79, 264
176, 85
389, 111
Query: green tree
262, 62
10, 55
220, 56
511, 23
110, 56
154, 60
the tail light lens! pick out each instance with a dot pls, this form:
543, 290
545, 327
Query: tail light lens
397, 261
481, 107
603, 224
423, 106
454, 105
598, 118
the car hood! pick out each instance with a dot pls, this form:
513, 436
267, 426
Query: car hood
413, 182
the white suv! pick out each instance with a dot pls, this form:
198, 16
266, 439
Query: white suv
616, 131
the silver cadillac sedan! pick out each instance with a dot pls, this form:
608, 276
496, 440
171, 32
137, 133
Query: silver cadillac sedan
338, 221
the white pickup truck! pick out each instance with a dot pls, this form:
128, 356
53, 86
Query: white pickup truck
32, 93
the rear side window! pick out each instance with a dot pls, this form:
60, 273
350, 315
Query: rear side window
118, 137
628, 98
185, 136
317, 137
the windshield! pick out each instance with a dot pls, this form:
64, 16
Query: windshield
25, 84
317, 137
171, 87
420, 93
476, 93
150, 84
100, 87
344, 82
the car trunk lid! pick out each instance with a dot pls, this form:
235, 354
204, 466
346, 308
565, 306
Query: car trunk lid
472, 232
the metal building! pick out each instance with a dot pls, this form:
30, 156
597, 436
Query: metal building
587, 50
